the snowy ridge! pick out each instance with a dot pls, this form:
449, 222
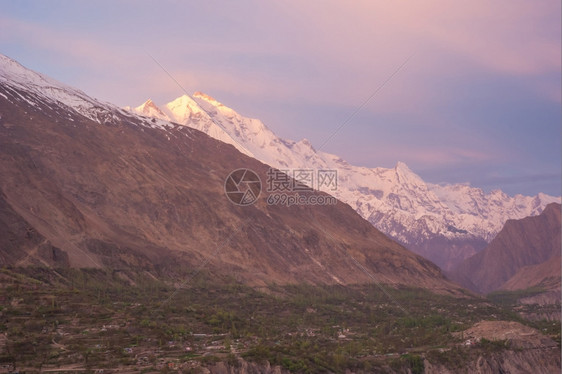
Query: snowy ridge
397, 201
38, 90
46, 89
187, 112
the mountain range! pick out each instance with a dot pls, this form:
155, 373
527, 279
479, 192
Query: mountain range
87, 184
444, 223
525, 253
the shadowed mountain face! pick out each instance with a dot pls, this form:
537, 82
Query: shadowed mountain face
121, 191
525, 249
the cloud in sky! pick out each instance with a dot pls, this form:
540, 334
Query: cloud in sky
482, 86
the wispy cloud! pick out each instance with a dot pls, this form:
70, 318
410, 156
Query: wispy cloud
476, 64
71, 47
436, 157
448, 38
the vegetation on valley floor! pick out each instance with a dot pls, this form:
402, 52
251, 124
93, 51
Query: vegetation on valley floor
108, 319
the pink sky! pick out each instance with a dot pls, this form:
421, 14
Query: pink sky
480, 93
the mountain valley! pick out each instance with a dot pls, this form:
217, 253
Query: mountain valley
120, 251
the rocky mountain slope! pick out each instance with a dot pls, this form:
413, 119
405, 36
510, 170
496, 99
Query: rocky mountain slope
545, 275
444, 223
86, 184
525, 249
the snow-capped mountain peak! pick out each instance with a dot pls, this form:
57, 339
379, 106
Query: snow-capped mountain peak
150, 109
184, 108
207, 98
406, 176
402, 167
306, 143
396, 200
250, 129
